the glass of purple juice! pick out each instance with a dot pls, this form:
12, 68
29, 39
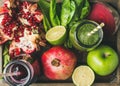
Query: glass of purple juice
24, 73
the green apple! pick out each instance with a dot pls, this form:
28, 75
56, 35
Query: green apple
103, 60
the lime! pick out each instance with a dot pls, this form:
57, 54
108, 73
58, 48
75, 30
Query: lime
83, 76
56, 35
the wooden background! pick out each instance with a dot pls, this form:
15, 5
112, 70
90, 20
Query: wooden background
116, 82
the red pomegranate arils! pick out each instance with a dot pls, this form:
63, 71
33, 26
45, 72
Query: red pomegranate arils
21, 23
5, 19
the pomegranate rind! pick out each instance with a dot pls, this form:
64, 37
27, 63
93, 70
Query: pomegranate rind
20, 21
58, 63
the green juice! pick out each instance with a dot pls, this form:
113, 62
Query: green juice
83, 38
79, 35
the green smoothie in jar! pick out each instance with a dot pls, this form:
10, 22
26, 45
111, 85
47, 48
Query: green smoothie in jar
86, 35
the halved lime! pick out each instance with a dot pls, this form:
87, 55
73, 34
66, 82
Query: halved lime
56, 35
83, 76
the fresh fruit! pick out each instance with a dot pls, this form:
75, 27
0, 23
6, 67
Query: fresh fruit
29, 14
58, 63
4, 10
103, 60
21, 23
36, 67
56, 35
98, 13
14, 50
5, 20
3, 37
27, 43
83, 76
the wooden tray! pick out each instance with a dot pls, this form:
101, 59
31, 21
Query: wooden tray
115, 77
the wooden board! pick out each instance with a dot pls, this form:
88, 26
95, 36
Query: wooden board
114, 82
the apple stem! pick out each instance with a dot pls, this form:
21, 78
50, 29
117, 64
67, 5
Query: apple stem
96, 29
55, 62
106, 54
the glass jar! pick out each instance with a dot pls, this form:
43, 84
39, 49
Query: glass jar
80, 38
24, 73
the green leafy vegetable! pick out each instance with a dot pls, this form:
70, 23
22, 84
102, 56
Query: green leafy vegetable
82, 10
85, 9
46, 23
58, 9
65, 12
72, 11
78, 9
68, 43
53, 14
45, 8
6, 56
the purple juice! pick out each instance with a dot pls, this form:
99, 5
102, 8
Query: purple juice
24, 73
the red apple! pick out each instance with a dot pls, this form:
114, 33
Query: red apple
58, 63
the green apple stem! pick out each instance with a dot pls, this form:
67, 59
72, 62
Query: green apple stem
107, 54
96, 29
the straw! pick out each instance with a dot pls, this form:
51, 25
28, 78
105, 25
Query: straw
96, 29
10, 74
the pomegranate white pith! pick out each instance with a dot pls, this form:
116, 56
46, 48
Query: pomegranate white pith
20, 22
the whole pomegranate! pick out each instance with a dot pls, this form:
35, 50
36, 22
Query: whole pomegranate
58, 63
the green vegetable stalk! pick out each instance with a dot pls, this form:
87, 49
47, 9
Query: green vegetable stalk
53, 14
72, 11
46, 23
6, 56
82, 10
45, 8
79, 6
85, 9
65, 12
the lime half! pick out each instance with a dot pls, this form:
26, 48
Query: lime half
56, 35
83, 76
